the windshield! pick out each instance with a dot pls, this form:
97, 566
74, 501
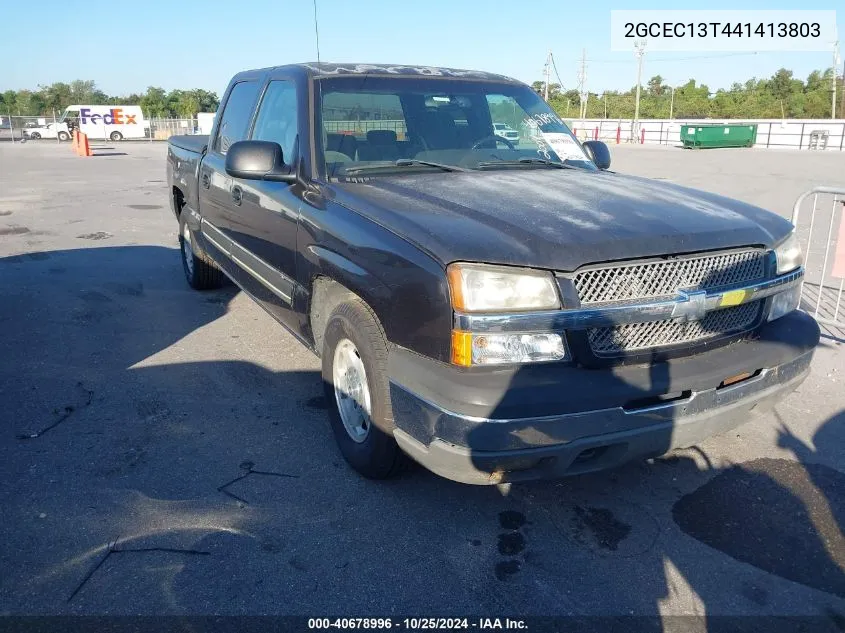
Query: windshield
395, 124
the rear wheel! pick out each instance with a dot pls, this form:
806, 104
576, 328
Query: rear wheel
354, 360
64, 136
35, 136
116, 136
200, 271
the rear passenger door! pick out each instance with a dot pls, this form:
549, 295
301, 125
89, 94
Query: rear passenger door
216, 188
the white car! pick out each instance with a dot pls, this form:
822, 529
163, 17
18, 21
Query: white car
51, 130
502, 129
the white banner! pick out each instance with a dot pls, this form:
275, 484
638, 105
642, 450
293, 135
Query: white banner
723, 30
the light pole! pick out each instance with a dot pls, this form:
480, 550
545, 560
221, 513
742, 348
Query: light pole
639, 50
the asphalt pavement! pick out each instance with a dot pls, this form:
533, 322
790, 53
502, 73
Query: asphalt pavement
168, 451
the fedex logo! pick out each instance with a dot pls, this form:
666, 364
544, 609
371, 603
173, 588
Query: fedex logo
115, 116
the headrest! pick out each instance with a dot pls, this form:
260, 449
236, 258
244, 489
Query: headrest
381, 137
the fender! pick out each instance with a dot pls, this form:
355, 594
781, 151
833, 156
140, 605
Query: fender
323, 261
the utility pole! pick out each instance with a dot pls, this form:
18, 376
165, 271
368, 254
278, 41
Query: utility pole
833, 79
842, 95
546, 71
639, 51
672, 103
582, 84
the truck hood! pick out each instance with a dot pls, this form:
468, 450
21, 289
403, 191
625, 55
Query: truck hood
554, 218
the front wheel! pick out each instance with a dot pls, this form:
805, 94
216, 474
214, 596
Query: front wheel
200, 271
64, 136
116, 136
354, 359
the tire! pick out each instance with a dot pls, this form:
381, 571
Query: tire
116, 136
35, 136
200, 271
375, 455
64, 136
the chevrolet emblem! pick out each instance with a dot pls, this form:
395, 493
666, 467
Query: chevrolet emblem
690, 306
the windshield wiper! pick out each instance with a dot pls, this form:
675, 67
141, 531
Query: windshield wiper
529, 161
404, 162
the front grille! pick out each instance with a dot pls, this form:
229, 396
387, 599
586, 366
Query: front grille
633, 337
664, 278
644, 281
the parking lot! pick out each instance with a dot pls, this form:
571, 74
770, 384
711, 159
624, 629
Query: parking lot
167, 451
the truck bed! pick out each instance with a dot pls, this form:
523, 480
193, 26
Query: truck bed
183, 159
191, 142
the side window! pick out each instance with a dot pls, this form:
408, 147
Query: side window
236, 115
277, 117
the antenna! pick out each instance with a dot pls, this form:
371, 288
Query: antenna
316, 31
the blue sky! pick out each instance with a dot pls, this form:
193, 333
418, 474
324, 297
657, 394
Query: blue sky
127, 46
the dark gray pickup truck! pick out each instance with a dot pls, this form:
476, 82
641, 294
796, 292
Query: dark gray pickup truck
497, 308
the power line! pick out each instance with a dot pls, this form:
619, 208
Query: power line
673, 59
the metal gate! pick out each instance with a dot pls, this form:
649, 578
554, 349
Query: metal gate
823, 237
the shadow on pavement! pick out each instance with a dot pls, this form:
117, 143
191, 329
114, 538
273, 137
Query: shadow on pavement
172, 479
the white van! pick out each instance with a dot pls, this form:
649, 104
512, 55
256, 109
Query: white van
114, 122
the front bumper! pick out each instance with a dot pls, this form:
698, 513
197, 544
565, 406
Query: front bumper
494, 425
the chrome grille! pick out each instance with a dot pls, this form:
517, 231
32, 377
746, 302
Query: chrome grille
608, 341
664, 278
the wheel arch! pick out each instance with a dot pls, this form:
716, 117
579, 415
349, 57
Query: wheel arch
330, 288
177, 200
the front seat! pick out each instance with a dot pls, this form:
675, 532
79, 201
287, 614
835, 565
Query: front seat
381, 145
343, 143
439, 130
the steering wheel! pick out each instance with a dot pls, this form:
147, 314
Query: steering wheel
493, 137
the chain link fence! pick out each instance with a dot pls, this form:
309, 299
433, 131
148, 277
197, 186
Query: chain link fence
16, 128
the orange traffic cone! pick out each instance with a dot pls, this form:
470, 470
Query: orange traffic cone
84, 147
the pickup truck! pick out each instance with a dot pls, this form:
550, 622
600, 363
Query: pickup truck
502, 129
497, 313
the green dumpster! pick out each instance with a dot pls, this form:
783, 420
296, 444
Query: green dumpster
719, 135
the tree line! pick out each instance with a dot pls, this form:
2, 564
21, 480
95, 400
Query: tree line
155, 102
780, 96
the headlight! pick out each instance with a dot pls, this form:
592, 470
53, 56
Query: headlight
789, 254
470, 348
482, 288
785, 302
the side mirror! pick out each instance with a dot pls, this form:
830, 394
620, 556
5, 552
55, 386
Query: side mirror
599, 153
258, 160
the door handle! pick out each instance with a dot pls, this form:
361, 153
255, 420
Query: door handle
237, 195
206, 180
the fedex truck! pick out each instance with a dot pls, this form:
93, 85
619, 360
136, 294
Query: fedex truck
115, 122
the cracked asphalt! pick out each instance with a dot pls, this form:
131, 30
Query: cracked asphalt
167, 451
